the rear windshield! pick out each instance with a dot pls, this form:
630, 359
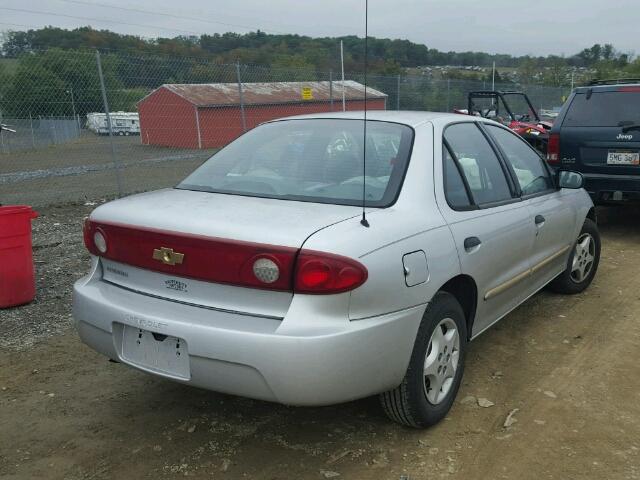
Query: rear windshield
317, 160
604, 109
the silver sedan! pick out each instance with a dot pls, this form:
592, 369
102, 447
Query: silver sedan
308, 264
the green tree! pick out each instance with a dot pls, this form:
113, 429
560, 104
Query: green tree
528, 70
35, 91
56, 82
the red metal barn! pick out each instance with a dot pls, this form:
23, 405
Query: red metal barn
209, 115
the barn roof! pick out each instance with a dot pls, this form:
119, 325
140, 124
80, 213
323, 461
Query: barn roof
223, 94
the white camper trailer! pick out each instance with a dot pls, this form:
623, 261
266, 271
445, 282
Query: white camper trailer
122, 123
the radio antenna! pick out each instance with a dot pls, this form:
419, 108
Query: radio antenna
363, 221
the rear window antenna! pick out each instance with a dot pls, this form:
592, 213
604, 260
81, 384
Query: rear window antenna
363, 221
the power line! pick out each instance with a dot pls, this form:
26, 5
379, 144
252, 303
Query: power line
20, 25
169, 15
100, 20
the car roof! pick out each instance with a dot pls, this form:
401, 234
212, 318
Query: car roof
606, 87
410, 118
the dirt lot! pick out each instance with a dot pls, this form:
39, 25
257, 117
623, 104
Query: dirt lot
84, 169
569, 365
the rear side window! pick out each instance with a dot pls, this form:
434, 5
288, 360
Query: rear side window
454, 188
604, 109
479, 163
532, 175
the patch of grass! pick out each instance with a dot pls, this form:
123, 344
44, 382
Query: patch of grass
9, 65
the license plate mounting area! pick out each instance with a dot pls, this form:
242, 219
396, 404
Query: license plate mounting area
155, 352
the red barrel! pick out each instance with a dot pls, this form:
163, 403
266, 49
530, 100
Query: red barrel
17, 282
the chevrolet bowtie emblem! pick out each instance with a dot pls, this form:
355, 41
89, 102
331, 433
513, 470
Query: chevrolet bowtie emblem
168, 256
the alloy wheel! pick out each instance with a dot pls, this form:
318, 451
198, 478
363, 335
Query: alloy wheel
583, 258
441, 361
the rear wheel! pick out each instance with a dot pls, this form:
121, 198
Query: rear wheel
435, 369
583, 262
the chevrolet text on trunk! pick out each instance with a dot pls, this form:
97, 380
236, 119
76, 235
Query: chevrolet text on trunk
256, 277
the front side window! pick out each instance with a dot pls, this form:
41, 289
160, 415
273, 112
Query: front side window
317, 160
479, 163
532, 175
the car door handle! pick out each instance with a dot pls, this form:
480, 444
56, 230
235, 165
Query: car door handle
471, 242
540, 219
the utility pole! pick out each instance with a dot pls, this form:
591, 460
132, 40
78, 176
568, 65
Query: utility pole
244, 120
73, 108
114, 158
344, 105
493, 77
331, 89
573, 73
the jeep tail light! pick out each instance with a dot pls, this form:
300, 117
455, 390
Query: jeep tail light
553, 149
632, 89
325, 273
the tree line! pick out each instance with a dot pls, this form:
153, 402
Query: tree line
260, 48
53, 70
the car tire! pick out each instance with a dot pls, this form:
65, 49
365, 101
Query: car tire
586, 253
413, 403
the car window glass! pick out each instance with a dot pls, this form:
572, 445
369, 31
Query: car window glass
317, 160
532, 176
454, 189
604, 109
479, 163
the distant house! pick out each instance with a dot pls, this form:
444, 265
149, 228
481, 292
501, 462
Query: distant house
209, 115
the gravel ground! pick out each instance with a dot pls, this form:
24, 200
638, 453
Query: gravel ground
553, 391
60, 259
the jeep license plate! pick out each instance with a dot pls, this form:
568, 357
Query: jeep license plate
156, 352
623, 158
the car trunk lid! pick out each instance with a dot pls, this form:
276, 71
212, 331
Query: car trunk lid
199, 248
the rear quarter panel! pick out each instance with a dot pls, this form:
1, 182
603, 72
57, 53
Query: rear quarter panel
413, 223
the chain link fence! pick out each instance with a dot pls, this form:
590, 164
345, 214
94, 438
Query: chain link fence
92, 125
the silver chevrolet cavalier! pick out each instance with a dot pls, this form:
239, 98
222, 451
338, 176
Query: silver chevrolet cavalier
258, 275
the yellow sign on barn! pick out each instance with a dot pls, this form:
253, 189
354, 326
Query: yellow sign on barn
307, 93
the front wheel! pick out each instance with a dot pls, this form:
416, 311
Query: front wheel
583, 262
435, 370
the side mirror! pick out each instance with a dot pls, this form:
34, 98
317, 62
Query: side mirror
569, 179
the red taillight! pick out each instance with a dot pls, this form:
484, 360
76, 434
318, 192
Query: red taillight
218, 260
629, 89
88, 230
210, 259
95, 239
553, 149
325, 273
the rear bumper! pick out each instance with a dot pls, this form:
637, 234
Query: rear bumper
316, 362
604, 188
